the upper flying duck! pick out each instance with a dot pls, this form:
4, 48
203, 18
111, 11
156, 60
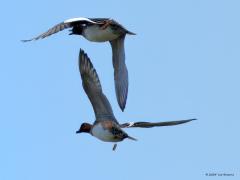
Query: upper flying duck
101, 30
106, 127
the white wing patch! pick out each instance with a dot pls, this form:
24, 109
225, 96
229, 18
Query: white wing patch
79, 19
131, 124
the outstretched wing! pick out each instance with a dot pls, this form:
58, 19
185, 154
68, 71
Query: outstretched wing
92, 87
120, 71
63, 25
150, 124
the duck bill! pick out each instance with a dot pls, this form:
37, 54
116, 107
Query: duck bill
78, 131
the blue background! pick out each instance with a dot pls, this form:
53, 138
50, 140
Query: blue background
183, 63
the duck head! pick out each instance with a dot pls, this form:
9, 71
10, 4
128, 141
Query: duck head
85, 127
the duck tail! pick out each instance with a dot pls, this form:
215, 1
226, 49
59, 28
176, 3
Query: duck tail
131, 33
129, 137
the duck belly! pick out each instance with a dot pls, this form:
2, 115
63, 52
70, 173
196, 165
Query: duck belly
103, 134
96, 34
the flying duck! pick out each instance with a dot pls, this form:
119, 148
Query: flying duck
106, 127
101, 30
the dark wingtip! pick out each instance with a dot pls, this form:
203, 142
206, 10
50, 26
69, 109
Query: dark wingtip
122, 105
26, 40
122, 99
188, 120
81, 53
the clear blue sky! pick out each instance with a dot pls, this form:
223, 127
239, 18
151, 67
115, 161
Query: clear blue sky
183, 63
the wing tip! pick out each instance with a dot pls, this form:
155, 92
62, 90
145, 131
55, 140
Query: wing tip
122, 94
194, 119
186, 121
87, 69
122, 106
81, 52
84, 60
26, 40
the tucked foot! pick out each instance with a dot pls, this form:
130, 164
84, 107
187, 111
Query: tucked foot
114, 147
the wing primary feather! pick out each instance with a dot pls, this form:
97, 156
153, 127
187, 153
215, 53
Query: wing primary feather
120, 71
55, 29
92, 87
61, 26
154, 124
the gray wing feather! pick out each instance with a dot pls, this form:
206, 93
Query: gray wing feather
61, 26
92, 87
120, 71
150, 125
55, 29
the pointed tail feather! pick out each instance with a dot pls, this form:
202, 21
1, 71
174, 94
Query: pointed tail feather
129, 137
